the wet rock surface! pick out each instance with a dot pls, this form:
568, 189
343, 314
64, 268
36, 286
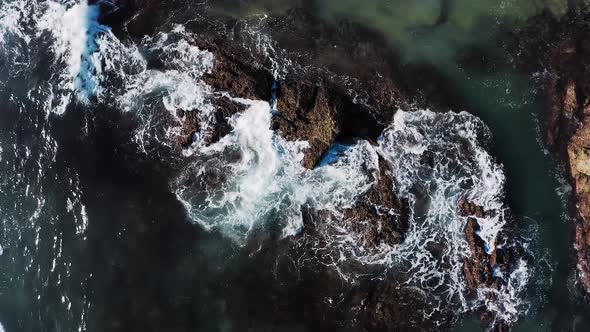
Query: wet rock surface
564, 47
484, 270
315, 104
380, 217
320, 115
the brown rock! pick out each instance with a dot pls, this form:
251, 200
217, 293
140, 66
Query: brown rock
307, 113
386, 225
567, 86
479, 267
578, 152
326, 96
235, 70
378, 218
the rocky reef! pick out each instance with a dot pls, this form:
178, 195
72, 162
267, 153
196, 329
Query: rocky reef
560, 48
338, 89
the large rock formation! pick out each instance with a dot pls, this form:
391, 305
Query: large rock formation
322, 99
561, 48
387, 213
333, 94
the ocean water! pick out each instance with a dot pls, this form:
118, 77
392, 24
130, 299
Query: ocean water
107, 227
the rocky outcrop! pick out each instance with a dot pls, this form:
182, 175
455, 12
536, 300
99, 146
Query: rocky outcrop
235, 69
378, 220
190, 122
478, 268
569, 133
483, 270
562, 50
308, 113
320, 115
314, 103
318, 106
380, 217
312, 106
579, 159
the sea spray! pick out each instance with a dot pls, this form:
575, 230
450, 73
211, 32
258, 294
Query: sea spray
74, 28
144, 90
253, 176
438, 159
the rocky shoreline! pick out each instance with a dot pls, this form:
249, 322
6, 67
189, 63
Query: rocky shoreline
318, 102
561, 52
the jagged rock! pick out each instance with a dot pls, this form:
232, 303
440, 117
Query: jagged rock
566, 59
478, 268
314, 105
578, 152
307, 113
483, 270
235, 70
320, 115
190, 122
380, 216
310, 107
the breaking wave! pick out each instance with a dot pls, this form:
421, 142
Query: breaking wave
252, 176
63, 30
74, 29
163, 71
438, 159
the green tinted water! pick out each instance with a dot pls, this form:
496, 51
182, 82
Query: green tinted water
438, 33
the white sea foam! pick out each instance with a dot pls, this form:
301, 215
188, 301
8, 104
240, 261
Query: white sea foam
16, 17
180, 82
74, 28
507, 302
436, 160
176, 84
66, 30
252, 176
440, 155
